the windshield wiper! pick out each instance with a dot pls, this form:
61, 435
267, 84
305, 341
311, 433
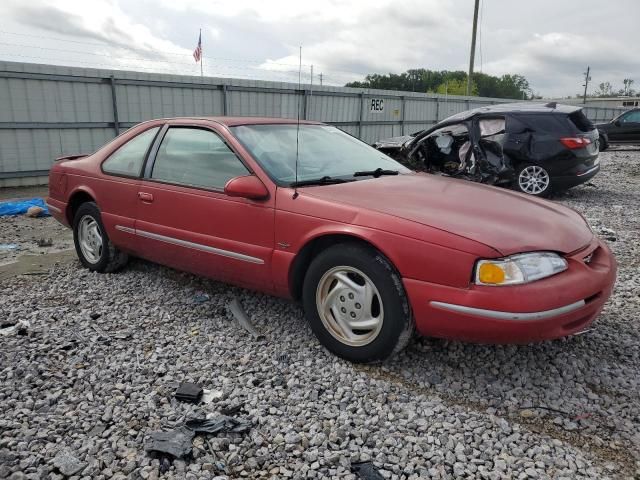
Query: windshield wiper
326, 180
375, 173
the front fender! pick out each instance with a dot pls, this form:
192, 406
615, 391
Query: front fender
412, 258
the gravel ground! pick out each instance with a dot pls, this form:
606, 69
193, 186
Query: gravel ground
94, 374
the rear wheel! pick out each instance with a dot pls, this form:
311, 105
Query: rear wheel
533, 180
603, 144
94, 249
355, 304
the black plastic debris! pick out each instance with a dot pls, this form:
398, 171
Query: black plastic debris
189, 392
95, 315
232, 409
221, 423
366, 471
176, 443
44, 242
165, 464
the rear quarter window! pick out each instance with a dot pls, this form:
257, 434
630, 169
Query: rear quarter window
127, 160
555, 123
580, 121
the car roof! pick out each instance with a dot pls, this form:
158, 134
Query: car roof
236, 121
523, 107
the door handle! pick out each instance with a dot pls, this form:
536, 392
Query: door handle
145, 197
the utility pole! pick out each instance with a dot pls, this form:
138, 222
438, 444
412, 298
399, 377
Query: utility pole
320, 78
586, 84
473, 46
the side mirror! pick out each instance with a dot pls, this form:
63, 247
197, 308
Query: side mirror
617, 123
248, 186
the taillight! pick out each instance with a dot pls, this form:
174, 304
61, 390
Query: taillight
575, 142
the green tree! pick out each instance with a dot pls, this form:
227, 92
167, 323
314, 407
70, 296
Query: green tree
423, 80
456, 87
605, 89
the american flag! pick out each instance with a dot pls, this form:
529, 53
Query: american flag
197, 53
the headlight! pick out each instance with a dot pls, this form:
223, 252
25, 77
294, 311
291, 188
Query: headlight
517, 269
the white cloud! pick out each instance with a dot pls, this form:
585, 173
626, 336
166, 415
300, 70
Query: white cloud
549, 42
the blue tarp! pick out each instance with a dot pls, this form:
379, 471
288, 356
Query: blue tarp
20, 207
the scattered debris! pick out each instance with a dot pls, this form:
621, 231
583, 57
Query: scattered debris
8, 246
243, 319
189, 392
176, 443
34, 211
608, 234
209, 395
67, 464
366, 471
8, 328
44, 242
21, 207
221, 423
232, 409
165, 464
200, 297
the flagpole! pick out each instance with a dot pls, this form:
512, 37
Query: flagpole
201, 55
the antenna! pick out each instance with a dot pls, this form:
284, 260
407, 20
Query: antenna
295, 193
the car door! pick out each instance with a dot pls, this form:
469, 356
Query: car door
185, 220
626, 128
116, 191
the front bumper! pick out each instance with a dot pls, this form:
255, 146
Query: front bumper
554, 307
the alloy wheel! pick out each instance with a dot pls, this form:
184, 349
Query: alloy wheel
90, 239
350, 306
533, 180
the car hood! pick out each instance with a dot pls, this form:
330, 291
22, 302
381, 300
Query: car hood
506, 221
393, 141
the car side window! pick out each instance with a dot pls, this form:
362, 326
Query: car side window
196, 157
632, 117
128, 159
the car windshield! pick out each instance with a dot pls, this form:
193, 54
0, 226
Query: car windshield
324, 152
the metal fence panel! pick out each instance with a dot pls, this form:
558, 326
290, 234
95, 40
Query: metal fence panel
48, 111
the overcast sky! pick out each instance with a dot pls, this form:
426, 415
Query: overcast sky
551, 42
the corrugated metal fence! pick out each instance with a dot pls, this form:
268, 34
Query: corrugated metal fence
48, 111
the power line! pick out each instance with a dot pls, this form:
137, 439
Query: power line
135, 59
186, 53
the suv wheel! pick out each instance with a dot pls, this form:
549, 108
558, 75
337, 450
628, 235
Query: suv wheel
355, 304
533, 180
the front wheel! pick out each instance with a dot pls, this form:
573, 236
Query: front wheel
533, 180
356, 305
94, 249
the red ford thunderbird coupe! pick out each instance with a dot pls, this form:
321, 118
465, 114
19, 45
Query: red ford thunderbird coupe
373, 250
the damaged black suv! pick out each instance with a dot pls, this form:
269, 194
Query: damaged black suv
535, 148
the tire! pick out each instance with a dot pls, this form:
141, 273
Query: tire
603, 143
533, 180
93, 247
330, 286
